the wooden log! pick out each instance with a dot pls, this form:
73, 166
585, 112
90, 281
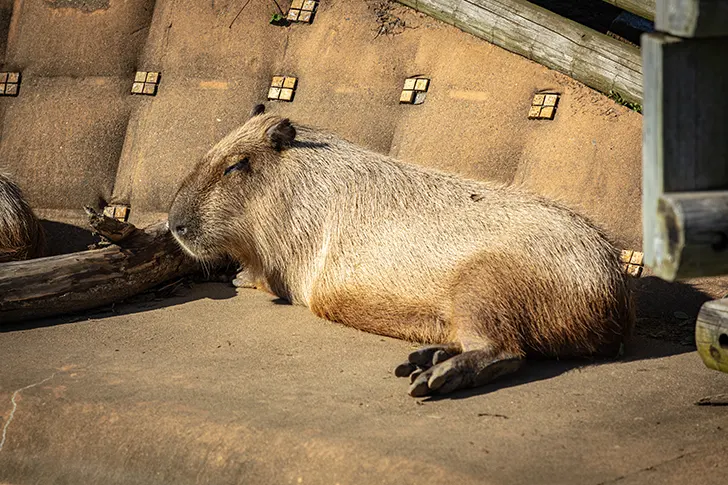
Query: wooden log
685, 146
519, 26
711, 334
692, 18
56, 285
692, 235
643, 8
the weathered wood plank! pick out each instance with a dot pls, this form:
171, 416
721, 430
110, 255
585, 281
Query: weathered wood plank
519, 26
711, 334
691, 235
692, 18
643, 8
88, 279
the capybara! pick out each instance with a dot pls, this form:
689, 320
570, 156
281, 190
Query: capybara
486, 274
21, 235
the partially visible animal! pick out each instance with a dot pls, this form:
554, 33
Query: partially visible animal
21, 235
486, 274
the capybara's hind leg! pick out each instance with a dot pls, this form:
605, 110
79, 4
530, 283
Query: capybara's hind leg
469, 369
488, 345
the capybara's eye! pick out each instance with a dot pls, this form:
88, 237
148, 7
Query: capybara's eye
243, 164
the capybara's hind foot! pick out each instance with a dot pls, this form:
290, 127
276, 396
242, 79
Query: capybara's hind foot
469, 369
424, 358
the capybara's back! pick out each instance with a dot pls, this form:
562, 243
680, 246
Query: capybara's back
21, 235
487, 274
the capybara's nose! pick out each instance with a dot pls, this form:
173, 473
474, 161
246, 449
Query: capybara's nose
180, 229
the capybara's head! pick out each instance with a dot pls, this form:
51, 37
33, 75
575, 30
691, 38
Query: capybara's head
208, 213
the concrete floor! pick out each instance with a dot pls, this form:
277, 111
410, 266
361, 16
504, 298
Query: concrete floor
210, 387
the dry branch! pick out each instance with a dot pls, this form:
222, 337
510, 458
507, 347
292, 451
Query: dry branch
138, 260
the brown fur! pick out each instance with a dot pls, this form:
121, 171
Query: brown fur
21, 235
404, 251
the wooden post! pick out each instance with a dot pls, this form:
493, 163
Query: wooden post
685, 148
692, 18
685, 155
711, 334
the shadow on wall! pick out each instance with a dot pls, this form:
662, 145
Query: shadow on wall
64, 238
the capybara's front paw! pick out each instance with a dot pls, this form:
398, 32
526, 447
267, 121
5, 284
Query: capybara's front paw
454, 372
244, 279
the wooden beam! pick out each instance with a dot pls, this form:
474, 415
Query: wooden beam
691, 238
692, 18
643, 8
711, 334
685, 141
519, 26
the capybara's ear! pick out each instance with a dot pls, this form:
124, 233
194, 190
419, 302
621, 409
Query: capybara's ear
281, 134
258, 109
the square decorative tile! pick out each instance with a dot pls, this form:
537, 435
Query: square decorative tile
543, 106
632, 262
282, 88
547, 113
550, 100
9, 83
534, 112
637, 258
286, 94
289, 82
302, 11
634, 270
407, 96
118, 212
145, 83
414, 90
293, 15
422, 84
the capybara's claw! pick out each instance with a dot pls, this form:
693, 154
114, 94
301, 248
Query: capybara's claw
431, 355
420, 388
404, 369
446, 378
